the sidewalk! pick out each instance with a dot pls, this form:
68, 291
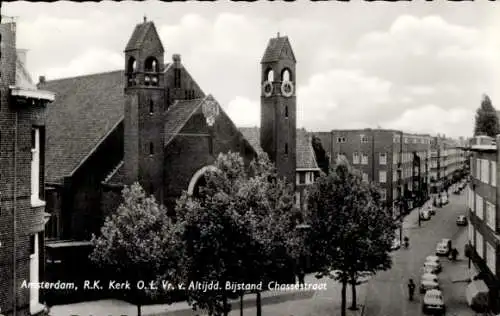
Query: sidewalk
275, 303
458, 275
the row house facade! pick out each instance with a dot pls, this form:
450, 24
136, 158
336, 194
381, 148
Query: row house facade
448, 156
483, 213
395, 160
22, 205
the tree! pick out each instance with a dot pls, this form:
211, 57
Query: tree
138, 242
486, 119
249, 211
321, 156
351, 232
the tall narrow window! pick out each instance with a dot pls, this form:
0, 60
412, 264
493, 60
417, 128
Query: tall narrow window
35, 167
286, 149
151, 148
151, 107
286, 111
177, 78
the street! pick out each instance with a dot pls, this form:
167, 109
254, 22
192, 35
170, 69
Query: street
387, 292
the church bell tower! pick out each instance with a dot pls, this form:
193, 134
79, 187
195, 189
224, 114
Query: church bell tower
279, 106
144, 109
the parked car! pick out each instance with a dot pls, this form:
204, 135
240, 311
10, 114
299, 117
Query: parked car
427, 285
429, 277
433, 302
396, 244
432, 267
425, 215
431, 209
462, 220
433, 258
446, 241
444, 199
442, 249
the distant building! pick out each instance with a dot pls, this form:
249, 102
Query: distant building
484, 215
448, 156
398, 162
22, 205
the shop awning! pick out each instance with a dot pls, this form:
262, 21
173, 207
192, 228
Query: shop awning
32, 94
477, 295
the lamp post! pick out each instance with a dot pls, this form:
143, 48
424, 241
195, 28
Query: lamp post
302, 229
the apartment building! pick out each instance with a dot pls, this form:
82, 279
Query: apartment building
396, 161
448, 157
484, 227
22, 206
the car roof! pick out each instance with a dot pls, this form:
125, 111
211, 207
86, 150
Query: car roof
434, 292
434, 263
429, 282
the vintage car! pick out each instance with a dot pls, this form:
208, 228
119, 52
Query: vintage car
427, 285
432, 267
433, 302
461, 220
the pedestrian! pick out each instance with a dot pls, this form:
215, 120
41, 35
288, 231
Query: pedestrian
411, 289
301, 276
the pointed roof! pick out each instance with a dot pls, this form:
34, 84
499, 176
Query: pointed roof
139, 35
275, 48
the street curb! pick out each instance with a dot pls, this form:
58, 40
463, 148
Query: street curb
247, 303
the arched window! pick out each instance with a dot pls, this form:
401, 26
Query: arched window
131, 69
286, 75
269, 75
132, 65
151, 65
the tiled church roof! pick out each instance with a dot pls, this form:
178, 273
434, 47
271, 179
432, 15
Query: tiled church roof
306, 159
178, 115
85, 110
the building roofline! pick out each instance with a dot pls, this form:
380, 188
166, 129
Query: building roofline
99, 142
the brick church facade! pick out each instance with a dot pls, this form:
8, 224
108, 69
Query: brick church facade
153, 124
22, 205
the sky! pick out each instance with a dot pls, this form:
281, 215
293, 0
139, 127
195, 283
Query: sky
415, 66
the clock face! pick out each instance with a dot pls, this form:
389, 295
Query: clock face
287, 89
267, 88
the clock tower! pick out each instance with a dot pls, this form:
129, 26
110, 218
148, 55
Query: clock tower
279, 106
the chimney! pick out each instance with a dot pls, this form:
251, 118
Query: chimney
176, 58
21, 55
41, 80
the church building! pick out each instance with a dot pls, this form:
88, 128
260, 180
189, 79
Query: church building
151, 123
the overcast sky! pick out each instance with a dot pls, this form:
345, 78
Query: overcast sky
419, 66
